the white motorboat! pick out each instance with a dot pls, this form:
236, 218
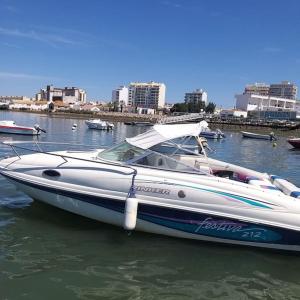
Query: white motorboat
99, 124
163, 182
210, 134
12, 128
252, 135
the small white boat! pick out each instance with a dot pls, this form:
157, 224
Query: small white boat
12, 128
99, 124
252, 135
209, 134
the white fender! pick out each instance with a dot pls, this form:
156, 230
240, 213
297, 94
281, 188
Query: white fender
287, 187
130, 213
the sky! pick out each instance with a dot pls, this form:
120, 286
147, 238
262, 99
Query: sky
217, 45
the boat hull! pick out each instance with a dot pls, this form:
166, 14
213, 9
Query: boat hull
18, 130
211, 135
165, 220
99, 126
295, 143
256, 136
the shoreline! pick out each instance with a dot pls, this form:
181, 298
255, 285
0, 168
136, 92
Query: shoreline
131, 117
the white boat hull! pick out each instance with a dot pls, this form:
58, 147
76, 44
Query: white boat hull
256, 136
18, 130
160, 210
102, 125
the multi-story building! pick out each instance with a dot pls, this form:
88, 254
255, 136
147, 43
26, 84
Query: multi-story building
120, 97
67, 95
250, 102
257, 89
147, 95
196, 97
285, 89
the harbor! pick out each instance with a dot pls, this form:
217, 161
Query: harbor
39, 243
149, 150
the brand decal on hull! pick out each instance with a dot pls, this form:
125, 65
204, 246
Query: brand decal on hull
148, 189
240, 230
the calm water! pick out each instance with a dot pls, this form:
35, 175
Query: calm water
47, 253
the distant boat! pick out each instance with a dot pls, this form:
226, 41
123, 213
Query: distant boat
209, 134
295, 142
252, 135
99, 124
12, 128
137, 123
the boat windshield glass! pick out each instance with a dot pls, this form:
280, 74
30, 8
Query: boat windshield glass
132, 155
158, 161
182, 145
123, 152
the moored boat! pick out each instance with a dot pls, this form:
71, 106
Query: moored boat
12, 128
163, 182
252, 135
295, 142
99, 124
138, 123
209, 134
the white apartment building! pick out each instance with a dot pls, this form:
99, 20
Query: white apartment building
251, 102
147, 95
195, 97
120, 96
67, 95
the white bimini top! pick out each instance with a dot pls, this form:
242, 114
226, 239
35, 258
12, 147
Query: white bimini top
162, 133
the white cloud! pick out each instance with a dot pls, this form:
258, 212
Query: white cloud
171, 4
8, 75
9, 45
51, 39
272, 49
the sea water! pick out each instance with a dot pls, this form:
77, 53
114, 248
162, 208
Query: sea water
47, 253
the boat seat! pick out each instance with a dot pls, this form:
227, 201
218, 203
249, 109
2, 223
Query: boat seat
223, 173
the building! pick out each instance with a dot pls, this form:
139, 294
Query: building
248, 102
257, 89
67, 95
266, 107
196, 97
120, 97
285, 89
297, 109
145, 111
11, 99
233, 113
147, 95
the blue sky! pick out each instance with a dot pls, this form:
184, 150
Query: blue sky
217, 45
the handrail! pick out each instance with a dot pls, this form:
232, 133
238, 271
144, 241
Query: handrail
64, 157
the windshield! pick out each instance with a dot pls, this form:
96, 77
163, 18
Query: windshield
159, 161
136, 156
122, 152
